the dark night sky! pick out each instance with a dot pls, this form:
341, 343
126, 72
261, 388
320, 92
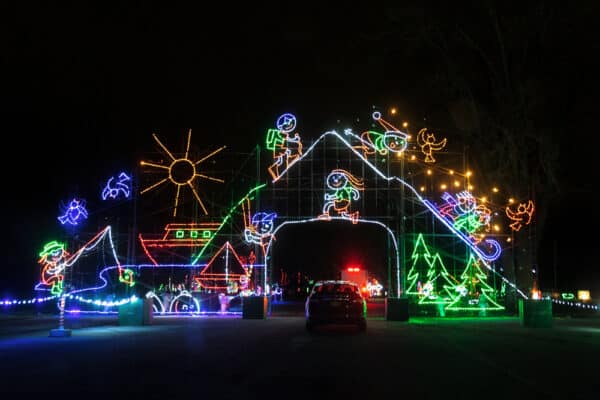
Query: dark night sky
83, 88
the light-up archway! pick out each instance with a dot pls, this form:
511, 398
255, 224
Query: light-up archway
391, 235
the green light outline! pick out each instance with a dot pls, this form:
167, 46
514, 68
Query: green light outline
231, 210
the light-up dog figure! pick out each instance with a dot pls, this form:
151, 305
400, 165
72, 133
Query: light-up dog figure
53, 259
345, 187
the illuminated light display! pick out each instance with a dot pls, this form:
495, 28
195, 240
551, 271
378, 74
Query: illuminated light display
374, 288
184, 302
572, 304
365, 221
154, 297
427, 142
52, 259
74, 213
69, 260
392, 141
345, 188
473, 293
181, 172
466, 218
228, 271
422, 278
179, 236
488, 250
259, 227
583, 295
114, 187
286, 123
126, 276
35, 300
286, 149
522, 216
104, 303
247, 197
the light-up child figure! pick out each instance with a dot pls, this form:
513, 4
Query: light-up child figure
345, 187
53, 259
261, 230
286, 148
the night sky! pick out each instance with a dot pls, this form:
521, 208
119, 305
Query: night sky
83, 89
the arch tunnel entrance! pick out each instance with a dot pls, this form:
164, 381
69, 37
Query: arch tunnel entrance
304, 253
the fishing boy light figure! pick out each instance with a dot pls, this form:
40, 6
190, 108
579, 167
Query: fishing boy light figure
53, 259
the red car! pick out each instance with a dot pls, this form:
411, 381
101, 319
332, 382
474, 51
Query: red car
336, 302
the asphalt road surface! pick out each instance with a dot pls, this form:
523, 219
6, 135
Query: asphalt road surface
226, 358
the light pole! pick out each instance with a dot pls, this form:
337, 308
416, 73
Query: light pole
61, 331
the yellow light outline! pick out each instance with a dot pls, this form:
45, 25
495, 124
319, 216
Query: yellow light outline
169, 169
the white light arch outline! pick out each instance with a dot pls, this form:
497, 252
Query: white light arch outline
360, 220
185, 293
152, 295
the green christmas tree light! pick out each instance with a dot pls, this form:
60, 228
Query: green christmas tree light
423, 276
434, 294
419, 257
473, 293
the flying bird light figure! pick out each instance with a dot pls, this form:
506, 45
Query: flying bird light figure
122, 185
181, 172
428, 144
74, 212
522, 216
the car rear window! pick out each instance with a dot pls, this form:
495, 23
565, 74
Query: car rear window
334, 288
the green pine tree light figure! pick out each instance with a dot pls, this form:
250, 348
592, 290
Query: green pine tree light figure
424, 274
419, 265
473, 294
436, 294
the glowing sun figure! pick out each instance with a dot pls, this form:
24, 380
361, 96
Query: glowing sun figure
181, 172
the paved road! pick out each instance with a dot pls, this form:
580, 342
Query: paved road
234, 358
